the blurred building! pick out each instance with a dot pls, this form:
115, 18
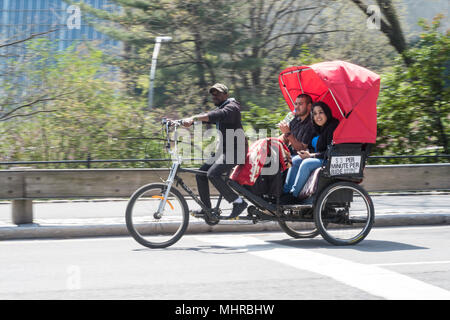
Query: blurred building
20, 19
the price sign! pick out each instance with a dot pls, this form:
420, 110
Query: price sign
345, 165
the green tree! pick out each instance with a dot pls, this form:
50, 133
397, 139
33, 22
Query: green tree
414, 102
94, 117
24, 86
240, 43
389, 24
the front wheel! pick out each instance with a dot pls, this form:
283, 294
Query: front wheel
146, 226
344, 213
299, 230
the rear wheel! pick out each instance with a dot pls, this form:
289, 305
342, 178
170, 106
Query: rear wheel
344, 213
146, 226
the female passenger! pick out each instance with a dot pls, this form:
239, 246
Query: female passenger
324, 125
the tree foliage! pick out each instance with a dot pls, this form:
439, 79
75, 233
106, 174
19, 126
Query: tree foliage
414, 104
389, 24
239, 43
91, 117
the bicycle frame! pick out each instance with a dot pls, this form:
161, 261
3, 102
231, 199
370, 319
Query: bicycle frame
186, 188
173, 177
175, 168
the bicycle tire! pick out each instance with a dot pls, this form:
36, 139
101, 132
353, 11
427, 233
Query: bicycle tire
335, 228
297, 234
132, 225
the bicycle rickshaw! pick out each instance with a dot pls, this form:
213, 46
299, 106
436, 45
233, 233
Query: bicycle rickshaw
334, 204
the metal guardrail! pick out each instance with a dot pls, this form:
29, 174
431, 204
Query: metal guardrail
437, 156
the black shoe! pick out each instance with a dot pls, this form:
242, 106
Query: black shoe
238, 208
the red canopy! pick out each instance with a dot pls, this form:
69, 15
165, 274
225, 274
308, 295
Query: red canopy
351, 92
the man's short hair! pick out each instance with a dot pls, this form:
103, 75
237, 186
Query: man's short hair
306, 96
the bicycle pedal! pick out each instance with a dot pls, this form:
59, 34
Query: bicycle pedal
197, 215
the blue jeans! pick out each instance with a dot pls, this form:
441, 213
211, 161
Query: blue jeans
307, 166
292, 174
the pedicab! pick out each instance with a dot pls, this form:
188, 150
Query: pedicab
332, 204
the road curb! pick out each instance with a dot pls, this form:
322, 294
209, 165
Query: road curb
411, 220
37, 231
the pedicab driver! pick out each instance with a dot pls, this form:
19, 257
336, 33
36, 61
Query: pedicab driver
229, 152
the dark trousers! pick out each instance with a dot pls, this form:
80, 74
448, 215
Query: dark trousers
214, 174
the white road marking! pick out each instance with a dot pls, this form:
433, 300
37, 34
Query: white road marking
369, 278
410, 263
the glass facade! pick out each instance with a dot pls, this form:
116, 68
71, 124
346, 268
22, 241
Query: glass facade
20, 19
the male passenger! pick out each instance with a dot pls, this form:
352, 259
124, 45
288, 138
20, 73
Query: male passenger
298, 135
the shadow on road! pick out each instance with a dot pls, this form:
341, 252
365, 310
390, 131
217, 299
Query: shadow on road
209, 249
365, 246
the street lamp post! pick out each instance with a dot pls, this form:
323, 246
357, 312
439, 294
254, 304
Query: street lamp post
158, 41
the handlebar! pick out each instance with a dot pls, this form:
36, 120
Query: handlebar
172, 123
167, 124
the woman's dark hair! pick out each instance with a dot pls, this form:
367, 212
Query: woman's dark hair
326, 109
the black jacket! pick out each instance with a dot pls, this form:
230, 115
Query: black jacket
227, 116
325, 136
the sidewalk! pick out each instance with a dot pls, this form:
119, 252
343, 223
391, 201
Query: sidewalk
75, 219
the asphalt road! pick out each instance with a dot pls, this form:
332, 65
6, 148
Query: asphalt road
391, 263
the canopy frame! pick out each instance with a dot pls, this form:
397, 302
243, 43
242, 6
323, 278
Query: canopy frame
337, 104
298, 71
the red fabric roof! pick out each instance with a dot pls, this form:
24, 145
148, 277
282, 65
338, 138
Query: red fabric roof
351, 92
